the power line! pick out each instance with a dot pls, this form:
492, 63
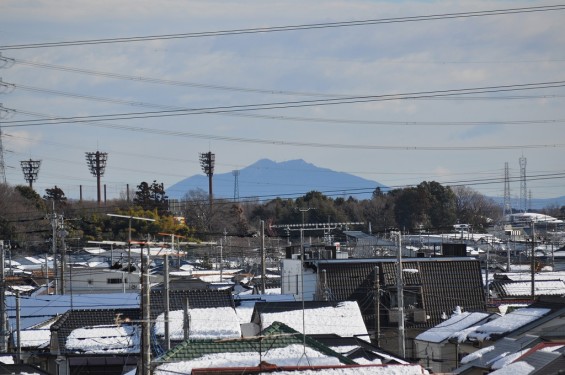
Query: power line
305, 119
288, 104
261, 30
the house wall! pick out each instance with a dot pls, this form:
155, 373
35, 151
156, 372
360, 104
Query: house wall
292, 282
438, 357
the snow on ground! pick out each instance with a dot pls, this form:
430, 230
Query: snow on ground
211, 323
105, 339
344, 320
507, 323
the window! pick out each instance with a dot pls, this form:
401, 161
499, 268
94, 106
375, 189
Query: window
114, 281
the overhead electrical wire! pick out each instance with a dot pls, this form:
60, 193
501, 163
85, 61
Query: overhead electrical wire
289, 118
161, 81
313, 26
309, 144
286, 105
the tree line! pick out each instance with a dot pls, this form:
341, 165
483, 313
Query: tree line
26, 218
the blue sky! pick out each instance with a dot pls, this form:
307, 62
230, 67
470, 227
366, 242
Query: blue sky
394, 142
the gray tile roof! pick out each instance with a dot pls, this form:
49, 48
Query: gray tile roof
443, 283
74, 319
198, 299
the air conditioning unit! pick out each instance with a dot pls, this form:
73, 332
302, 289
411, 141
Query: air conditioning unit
420, 316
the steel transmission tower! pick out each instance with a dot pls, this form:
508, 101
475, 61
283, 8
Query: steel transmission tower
523, 189
507, 209
207, 161
30, 168
235, 185
96, 162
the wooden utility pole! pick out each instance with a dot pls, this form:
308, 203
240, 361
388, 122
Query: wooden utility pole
377, 307
3, 325
263, 266
167, 304
145, 308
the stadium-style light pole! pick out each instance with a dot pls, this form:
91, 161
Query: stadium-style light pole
97, 164
30, 168
207, 161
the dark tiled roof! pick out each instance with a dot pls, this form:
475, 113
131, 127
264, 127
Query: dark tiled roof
74, 319
197, 299
278, 335
444, 283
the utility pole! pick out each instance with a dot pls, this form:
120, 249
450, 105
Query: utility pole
533, 261
400, 293
3, 325
167, 304
97, 164
63, 233
263, 267
377, 307
145, 308
53, 218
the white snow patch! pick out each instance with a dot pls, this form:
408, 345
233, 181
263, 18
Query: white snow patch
105, 339
211, 323
344, 320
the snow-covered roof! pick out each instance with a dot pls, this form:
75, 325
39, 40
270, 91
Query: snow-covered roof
292, 355
527, 276
34, 338
343, 319
452, 327
210, 323
541, 287
507, 323
124, 338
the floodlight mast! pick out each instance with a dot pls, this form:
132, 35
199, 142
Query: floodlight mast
207, 161
96, 162
30, 168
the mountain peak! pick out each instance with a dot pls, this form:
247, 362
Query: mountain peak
268, 179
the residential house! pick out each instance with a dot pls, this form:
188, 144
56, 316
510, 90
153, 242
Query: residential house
432, 288
276, 345
313, 317
437, 348
95, 342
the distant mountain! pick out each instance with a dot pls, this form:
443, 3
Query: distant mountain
268, 179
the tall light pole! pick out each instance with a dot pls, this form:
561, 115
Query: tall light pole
207, 161
30, 168
97, 164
